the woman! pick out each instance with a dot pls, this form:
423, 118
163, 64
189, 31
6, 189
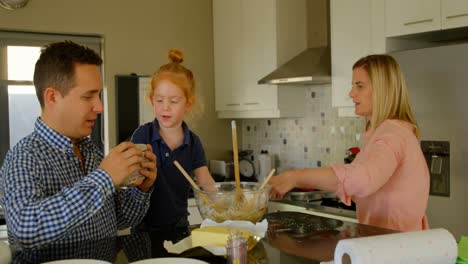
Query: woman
389, 179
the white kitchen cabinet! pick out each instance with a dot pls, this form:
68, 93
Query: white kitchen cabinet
356, 30
251, 39
404, 17
454, 13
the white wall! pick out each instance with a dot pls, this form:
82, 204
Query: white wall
137, 36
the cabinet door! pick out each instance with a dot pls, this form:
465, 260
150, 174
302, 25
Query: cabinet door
454, 13
244, 49
227, 30
404, 17
350, 40
259, 54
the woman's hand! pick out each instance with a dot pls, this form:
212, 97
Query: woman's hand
282, 184
323, 179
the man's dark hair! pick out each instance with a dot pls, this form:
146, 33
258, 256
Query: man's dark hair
56, 66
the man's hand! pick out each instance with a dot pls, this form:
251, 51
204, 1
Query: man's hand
122, 161
149, 170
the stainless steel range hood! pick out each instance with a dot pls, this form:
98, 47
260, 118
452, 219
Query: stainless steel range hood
311, 66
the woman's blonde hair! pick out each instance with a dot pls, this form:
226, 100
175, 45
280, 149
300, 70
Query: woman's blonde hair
176, 73
390, 98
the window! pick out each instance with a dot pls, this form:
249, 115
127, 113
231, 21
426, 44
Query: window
19, 106
23, 106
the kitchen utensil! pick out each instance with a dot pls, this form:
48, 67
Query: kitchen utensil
224, 206
304, 195
136, 176
195, 186
254, 198
267, 179
239, 196
236, 249
246, 169
301, 225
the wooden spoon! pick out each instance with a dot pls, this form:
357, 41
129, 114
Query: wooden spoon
239, 195
254, 198
195, 186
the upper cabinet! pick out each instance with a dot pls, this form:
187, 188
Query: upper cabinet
405, 17
251, 39
454, 13
357, 30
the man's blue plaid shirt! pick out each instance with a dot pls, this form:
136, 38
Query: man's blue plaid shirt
47, 197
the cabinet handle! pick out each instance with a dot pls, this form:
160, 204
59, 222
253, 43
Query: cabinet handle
233, 104
455, 16
418, 22
252, 103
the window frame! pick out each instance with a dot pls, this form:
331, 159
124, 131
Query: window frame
17, 38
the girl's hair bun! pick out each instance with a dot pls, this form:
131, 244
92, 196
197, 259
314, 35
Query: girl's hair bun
175, 56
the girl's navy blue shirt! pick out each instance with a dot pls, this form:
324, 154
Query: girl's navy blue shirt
171, 189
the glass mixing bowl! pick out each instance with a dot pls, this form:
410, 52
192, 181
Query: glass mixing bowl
220, 201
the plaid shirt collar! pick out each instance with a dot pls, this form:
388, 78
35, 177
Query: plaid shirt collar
57, 140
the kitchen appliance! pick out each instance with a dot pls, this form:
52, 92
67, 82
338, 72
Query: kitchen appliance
131, 108
437, 84
307, 198
304, 195
313, 65
266, 163
301, 225
224, 170
221, 170
437, 155
246, 166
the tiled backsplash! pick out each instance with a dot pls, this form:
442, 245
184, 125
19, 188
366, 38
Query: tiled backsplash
318, 139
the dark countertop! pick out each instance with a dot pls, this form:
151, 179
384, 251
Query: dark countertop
292, 237
317, 207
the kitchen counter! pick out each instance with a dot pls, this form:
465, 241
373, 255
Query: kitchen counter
292, 237
312, 208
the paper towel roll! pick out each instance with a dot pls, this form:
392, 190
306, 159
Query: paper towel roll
430, 246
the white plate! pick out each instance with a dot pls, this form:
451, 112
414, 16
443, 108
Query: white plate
170, 261
77, 261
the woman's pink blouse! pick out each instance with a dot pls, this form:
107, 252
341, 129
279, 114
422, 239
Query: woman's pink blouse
388, 180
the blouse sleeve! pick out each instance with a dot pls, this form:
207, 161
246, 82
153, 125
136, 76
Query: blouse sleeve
372, 168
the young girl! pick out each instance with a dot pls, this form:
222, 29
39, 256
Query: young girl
389, 178
172, 95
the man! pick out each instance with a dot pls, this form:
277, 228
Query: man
55, 184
